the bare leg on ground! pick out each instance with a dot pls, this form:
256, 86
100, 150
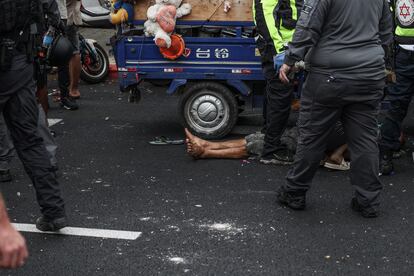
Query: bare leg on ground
229, 153
215, 145
199, 148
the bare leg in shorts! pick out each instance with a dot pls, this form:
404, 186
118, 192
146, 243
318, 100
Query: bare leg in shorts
75, 63
239, 149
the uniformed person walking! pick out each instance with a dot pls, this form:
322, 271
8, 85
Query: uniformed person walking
345, 82
275, 21
401, 93
51, 20
18, 20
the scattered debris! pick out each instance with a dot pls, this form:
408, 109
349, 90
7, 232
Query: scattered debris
173, 227
177, 260
223, 227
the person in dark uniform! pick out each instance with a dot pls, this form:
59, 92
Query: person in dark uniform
401, 93
18, 19
51, 20
345, 82
275, 22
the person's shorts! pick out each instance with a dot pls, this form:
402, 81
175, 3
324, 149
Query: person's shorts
255, 144
255, 141
73, 36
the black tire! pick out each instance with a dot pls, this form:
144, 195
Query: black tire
219, 114
96, 73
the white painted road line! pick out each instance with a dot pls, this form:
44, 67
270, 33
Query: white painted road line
53, 122
83, 232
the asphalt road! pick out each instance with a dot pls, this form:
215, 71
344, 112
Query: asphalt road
206, 217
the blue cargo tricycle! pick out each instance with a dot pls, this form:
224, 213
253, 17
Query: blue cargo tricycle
216, 77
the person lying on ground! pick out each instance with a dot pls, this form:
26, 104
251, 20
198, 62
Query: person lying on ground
252, 146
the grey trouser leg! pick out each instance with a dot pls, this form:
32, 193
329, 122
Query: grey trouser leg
6, 146
324, 101
47, 137
19, 107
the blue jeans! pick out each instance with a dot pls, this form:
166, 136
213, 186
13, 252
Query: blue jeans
400, 95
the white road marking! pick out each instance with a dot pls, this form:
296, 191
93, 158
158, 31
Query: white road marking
53, 122
84, 232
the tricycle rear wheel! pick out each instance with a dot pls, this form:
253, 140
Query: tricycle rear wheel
208, 109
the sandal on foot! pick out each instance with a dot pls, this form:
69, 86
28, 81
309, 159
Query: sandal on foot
162, 140
344, 166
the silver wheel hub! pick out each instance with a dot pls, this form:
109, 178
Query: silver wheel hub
208, 113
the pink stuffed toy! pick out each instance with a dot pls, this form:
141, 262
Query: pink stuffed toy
162, 18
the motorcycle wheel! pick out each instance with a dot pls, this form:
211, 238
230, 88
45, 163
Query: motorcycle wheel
95, 72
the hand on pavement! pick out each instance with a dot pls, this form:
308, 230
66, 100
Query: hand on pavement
13, 250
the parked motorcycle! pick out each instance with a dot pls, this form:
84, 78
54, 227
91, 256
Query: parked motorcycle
94, 60
95, 13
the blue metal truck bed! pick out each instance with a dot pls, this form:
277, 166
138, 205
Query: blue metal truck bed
224, 65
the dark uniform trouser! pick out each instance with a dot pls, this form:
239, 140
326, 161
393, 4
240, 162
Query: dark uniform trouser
400, 97
63, 80
278, 100
7, 147
19, 107
277, 96
325, 100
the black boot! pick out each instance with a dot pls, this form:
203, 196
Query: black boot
386, 164
294, 200
366, 212
50, 225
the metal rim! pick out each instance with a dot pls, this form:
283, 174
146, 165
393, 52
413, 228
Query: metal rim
100, 67
207, 112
